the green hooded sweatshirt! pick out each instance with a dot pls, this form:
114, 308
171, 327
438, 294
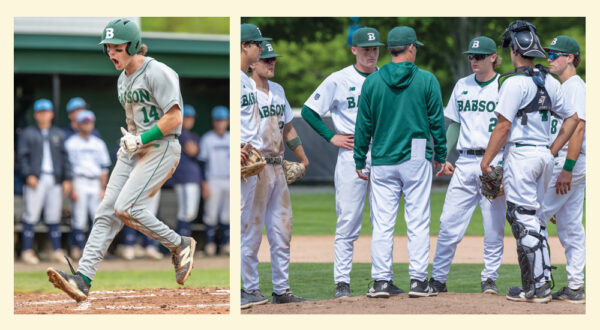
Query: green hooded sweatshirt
398, 103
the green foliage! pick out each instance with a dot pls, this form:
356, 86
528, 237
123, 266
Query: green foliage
206, 25
315, 47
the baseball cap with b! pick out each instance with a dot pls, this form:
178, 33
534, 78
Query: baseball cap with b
268, 51
76, 103
220, 112
366, 37
564, 44
42, 104
189, 111
250, 32
402, 36
85, 116
481, 45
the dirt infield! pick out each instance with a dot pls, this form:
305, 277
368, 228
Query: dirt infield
147, 301
444, 303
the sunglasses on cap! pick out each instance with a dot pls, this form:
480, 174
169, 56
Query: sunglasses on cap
477, 57
269, 60
554, 55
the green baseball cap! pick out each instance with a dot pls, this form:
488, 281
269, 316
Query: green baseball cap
268, 51
564, 44
250, 32
366, 37
402, 36
481, 45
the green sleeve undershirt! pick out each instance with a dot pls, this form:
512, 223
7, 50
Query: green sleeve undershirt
452, 135
315, 121
152, 134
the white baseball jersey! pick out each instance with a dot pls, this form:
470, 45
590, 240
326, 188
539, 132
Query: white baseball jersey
249, 114
147, 94
88, 157
472, 106
515, 93
574, 93
214, 151
274, 112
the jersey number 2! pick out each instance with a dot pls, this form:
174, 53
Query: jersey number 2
153, 113
493, 122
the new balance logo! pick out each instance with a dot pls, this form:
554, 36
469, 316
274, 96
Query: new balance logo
184, 256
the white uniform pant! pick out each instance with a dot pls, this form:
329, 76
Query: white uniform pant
216, 206
271, 207
88, 199
47, 195
568, 209
527, 173
462, 196
388, 182
188, 201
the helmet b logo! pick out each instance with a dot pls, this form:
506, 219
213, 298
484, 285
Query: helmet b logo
476, 44
110, 33
553, 42
269, 47
371, 36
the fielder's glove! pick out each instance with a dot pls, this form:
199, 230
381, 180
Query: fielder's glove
491, 183
255, 163
129, 142
293, 171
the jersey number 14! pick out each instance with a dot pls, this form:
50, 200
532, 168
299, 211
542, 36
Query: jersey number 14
153, 113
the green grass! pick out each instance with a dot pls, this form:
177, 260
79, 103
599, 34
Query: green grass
315, 280
314, 214
130, 279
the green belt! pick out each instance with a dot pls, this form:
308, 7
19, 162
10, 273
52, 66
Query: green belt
479, 152
518, 145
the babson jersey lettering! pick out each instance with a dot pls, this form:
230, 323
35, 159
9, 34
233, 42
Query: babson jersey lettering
573, 91
274, 111
147, 94
339, 95
249, 112
472, 106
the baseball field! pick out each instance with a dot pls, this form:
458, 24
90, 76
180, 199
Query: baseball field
311, 269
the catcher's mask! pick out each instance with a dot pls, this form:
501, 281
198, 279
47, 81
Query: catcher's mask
122, 31
522, 37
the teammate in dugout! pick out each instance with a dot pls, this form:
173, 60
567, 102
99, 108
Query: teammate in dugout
471, 112
149, 93
399, 108
339, 94
74, 106
566, 192
526, 98
272, 203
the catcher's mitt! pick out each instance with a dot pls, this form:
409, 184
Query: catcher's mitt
491, 183
293, 171
255, 163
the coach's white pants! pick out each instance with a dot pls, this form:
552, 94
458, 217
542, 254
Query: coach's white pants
350, 194
88, 199
216, 207
388, 182
47, 195
462, 196
568, 209
188, 201
272, 207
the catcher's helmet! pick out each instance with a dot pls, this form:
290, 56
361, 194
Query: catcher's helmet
521, 35
122, 31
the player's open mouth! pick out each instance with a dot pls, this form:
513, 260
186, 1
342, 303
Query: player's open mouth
115, 61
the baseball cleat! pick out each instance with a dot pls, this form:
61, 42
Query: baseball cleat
183, 259
489, 286
73, 285
420, 289
29, 257
342, 290
570, 295
380, 289
542, 294
286, 297
394, 290
253, 298
437, 286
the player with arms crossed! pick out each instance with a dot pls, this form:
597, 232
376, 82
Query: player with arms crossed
149, 93
339, 94
565, 195
471, 111
525, 101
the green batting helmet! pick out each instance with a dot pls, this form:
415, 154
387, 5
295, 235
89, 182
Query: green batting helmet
122, 31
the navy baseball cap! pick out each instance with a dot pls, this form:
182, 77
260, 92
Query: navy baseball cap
76, 103
189, 111
86, 116
220, 112
42, 104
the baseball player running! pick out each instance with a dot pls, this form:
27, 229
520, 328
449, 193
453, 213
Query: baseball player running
271, 198
251, 47
339, 94
471, 111
149, 93
565, 195
399, 108
89, 162
525, 102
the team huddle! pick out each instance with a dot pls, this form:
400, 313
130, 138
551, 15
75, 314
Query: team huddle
524, 126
